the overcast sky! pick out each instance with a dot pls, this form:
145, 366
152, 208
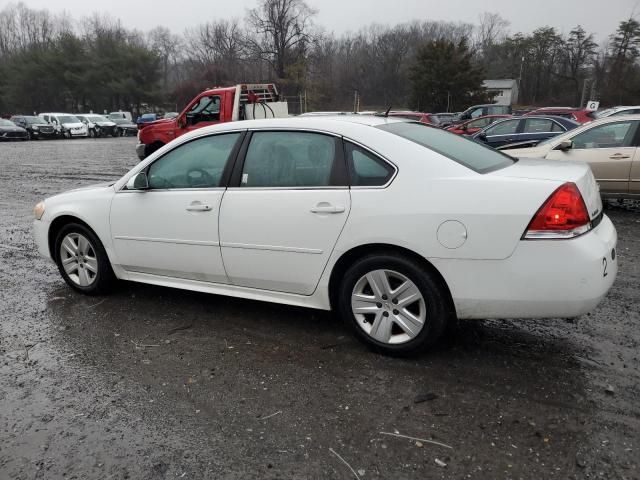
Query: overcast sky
598, 16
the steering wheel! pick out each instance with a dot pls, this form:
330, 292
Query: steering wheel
199, 177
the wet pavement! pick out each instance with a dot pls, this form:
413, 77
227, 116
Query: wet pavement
155, 383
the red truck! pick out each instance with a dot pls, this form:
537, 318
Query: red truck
216, 105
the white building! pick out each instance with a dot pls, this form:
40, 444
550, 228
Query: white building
505, 91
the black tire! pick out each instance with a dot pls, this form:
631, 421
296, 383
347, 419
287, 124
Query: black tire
437, 304
104, 280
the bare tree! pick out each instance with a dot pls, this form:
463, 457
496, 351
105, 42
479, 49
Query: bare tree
282, 32
168, 47
492, 29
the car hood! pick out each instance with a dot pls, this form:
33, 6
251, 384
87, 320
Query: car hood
157, 122
106, 124
539, 151
73, 125
561, 171
11, 129
94, 187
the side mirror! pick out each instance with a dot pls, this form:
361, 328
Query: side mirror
482, 136
138, 182
565, 145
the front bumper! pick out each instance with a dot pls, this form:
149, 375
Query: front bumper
41, 237
141, 150
542, 279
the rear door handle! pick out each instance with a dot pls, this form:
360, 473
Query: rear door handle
324, 207
618, 156
199, 207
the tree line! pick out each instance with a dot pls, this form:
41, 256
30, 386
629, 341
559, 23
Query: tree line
54, 62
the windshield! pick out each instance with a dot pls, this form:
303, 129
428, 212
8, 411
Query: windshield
473, 155
68, 119
33, 120
6, 123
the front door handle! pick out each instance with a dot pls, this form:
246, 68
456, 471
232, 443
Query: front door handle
199, 207
619, 156
324, 207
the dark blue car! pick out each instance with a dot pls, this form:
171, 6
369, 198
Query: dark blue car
146, 118
523, 131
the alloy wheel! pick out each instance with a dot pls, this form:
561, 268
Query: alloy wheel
78, 257
388, 306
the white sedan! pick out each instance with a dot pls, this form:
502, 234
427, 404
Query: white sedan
398, 226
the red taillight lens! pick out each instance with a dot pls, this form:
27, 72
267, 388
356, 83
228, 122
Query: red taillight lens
563, 215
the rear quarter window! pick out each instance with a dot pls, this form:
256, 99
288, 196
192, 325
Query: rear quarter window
467, 152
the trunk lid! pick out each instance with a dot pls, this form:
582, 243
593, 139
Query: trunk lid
559, 171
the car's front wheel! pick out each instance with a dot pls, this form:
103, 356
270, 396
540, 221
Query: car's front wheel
82, 260
393, 305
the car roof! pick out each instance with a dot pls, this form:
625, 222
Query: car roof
338, 124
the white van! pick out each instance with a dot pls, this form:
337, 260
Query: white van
120, 114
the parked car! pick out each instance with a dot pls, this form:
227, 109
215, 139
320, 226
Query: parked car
36, 127
421, 117
120, 115
125, 128
427, 118
473, 126
98, 125
523, 129
10, 131
145, 119
618, 111
390, 223
218, 105
445, 119
67, 125
580, 115
482, 111
609, 146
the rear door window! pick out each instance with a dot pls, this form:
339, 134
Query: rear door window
538, 125
503, 128
365, 168
289, 159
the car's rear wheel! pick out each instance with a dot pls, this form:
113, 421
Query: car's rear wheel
82, 260
393, 305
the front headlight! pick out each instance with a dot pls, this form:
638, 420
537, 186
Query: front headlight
36, 128
38, 210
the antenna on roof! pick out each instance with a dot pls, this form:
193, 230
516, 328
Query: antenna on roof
386, 114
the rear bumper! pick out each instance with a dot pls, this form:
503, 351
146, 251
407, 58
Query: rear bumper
542, 279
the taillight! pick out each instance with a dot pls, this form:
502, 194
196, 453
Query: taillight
563, 215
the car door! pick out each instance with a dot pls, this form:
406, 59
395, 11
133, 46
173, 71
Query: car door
502, 133
283, 213
171, 229
609, 149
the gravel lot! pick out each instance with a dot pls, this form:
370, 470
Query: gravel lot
153, 383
